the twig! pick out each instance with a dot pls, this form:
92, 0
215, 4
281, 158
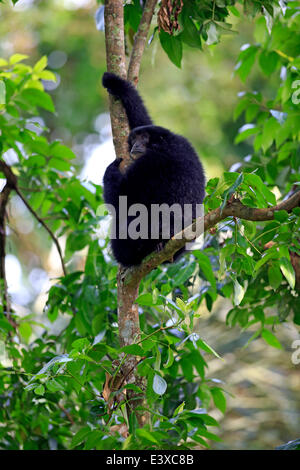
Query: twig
36, 216
66, 412
140, 41
12, 184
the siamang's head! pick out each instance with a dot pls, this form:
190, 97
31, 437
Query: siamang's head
146, 138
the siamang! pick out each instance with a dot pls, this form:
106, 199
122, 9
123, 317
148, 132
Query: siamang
165, 170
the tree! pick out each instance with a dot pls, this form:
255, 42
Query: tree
257, 267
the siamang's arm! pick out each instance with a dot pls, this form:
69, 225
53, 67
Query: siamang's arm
135, 109
112, 183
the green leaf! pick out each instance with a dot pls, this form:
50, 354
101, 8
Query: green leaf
61, 151
203, 345
54, 386
145, 299
47, 75
159, 385
76, 241
288, 271
205, 266
219, 399
38, 98
81, 344
268, 62
246, 62
243, 135
2, 92
281, 216
15, 58
231, 190
36, 160
39, 390
183, 275
143, 433
180, 303
133, 349
179, 409
239, 292
233, 10
257, 184
190, 34
270, 339
25, 331
270, 254
80, 436
36, 200
240, 107
269, 132
212, 34
59, 164
172, 45
275, 276
41, 64
170, 359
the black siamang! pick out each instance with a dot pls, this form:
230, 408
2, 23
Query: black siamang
165, 169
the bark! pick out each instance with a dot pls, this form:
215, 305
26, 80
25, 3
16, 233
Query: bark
115, 61
128, 320
140, 41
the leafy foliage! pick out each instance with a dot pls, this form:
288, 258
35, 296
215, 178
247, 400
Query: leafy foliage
58, 391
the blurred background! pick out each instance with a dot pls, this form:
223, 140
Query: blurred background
197, 101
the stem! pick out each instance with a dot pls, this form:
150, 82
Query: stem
4, 293
54, 239
12, 184
140, 41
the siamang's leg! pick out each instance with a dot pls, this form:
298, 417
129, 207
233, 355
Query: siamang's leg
112, 181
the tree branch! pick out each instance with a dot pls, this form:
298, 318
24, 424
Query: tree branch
116, 63
140, 41
12, 184
233, 208
4, 197
54, 239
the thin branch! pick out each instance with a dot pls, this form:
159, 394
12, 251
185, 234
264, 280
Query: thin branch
4, 197
54, 239
233, 208
12, 184
140, 41
66, 412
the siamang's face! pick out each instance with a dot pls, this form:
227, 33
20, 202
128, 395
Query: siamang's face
138, 145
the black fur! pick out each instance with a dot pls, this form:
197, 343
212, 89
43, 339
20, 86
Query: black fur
168, 172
